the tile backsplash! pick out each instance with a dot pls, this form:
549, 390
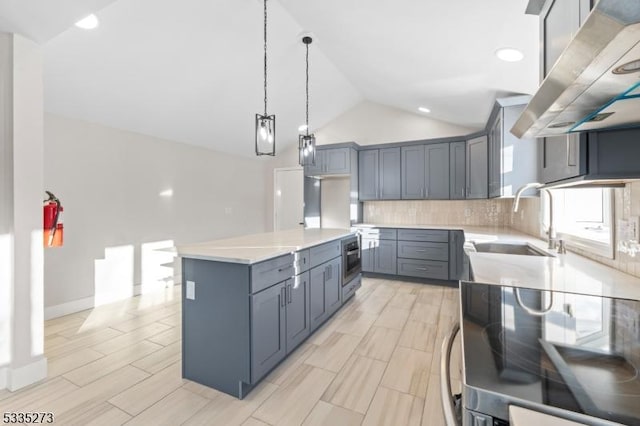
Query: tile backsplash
494, 212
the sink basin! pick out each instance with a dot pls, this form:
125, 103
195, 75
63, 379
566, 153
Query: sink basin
523, 249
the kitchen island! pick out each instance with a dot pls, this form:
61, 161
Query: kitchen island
249, 301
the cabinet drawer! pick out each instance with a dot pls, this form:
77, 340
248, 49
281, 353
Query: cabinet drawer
379, 233
301, 261
270, 272
423, 268
324, 252
350, 289
423, 250
436, 236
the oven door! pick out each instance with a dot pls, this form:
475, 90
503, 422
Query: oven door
351, 262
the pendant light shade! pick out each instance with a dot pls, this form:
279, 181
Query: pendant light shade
307, 142
265, 124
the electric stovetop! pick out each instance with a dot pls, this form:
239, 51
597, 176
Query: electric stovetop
553, 351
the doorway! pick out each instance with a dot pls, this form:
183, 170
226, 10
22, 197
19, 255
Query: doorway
288, 203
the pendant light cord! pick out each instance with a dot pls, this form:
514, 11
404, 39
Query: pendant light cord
265, 57
307, 87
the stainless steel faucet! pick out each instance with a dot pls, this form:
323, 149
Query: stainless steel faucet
551, 232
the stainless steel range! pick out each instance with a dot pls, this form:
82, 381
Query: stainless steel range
569, 355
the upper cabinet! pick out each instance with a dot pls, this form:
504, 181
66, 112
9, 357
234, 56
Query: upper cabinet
560, 20
425, 171
563, 157
513, 162
477, 168
331, 161
457, 170
379, 174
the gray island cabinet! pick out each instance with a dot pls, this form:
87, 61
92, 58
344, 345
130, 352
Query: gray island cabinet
249, 302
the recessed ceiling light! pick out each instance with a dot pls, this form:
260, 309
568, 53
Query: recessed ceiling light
423, 109
88, 23
302, 128
509, 54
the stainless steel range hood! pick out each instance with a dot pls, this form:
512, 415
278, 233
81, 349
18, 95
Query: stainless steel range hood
595, 84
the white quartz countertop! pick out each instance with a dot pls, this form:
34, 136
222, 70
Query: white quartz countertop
565, 272
255, 248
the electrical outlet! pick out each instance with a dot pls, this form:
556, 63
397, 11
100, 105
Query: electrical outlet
634, 229
191, 290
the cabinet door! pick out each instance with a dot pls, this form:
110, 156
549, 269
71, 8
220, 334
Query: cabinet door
413, 172
495, 158
437, 171
563, 157
386, 257
458, 170
560, 21
367, 254
332, 285
477, 167
337, 161
317, 168
318, 307
368, 175
298, 315
268, 330
389, 174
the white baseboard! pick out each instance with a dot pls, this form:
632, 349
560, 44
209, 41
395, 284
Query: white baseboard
3, 378
17, 378
67, 308
74, 306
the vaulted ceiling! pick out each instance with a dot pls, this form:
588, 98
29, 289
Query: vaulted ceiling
191, 70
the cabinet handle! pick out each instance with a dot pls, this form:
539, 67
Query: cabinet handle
285, 268
422, 269
421, 250
289, 293
282, 296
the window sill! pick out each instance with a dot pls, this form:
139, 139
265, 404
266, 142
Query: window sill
590, 246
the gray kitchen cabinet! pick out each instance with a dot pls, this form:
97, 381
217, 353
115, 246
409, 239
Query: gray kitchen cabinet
385, 254
560, 20
425, 171
379, 255
437, 171
563, 157
458, 260
368, 187
325, 291
477, 168
268, 324
458, 170
412, 172
389, 174
331, 161
513, 162
297, 306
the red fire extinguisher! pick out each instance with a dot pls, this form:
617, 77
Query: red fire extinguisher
53, 226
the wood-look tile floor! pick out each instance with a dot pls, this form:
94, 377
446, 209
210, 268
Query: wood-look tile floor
376, 362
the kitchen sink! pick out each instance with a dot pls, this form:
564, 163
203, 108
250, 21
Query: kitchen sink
523, 249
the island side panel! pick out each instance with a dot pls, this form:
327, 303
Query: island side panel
216, 325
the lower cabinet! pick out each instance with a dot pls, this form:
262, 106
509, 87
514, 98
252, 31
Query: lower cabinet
325, 291
268, 330
379, 256
297, 293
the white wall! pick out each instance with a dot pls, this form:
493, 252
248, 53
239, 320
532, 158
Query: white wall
109, 183
21, 253
370, 123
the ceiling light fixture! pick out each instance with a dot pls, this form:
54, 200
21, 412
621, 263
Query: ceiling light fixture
423, 109
88, 23
509, 54
307, 142
265, 124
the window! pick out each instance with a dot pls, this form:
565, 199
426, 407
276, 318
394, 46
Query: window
584, 218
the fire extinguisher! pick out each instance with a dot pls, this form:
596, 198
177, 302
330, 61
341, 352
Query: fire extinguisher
53, 226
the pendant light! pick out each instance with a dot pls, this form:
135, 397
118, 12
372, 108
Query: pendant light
307, 142
265, 124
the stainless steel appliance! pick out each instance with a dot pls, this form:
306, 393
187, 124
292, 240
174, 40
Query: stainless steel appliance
351, 262
569, 355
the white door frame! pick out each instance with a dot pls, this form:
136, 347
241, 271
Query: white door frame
275, 196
